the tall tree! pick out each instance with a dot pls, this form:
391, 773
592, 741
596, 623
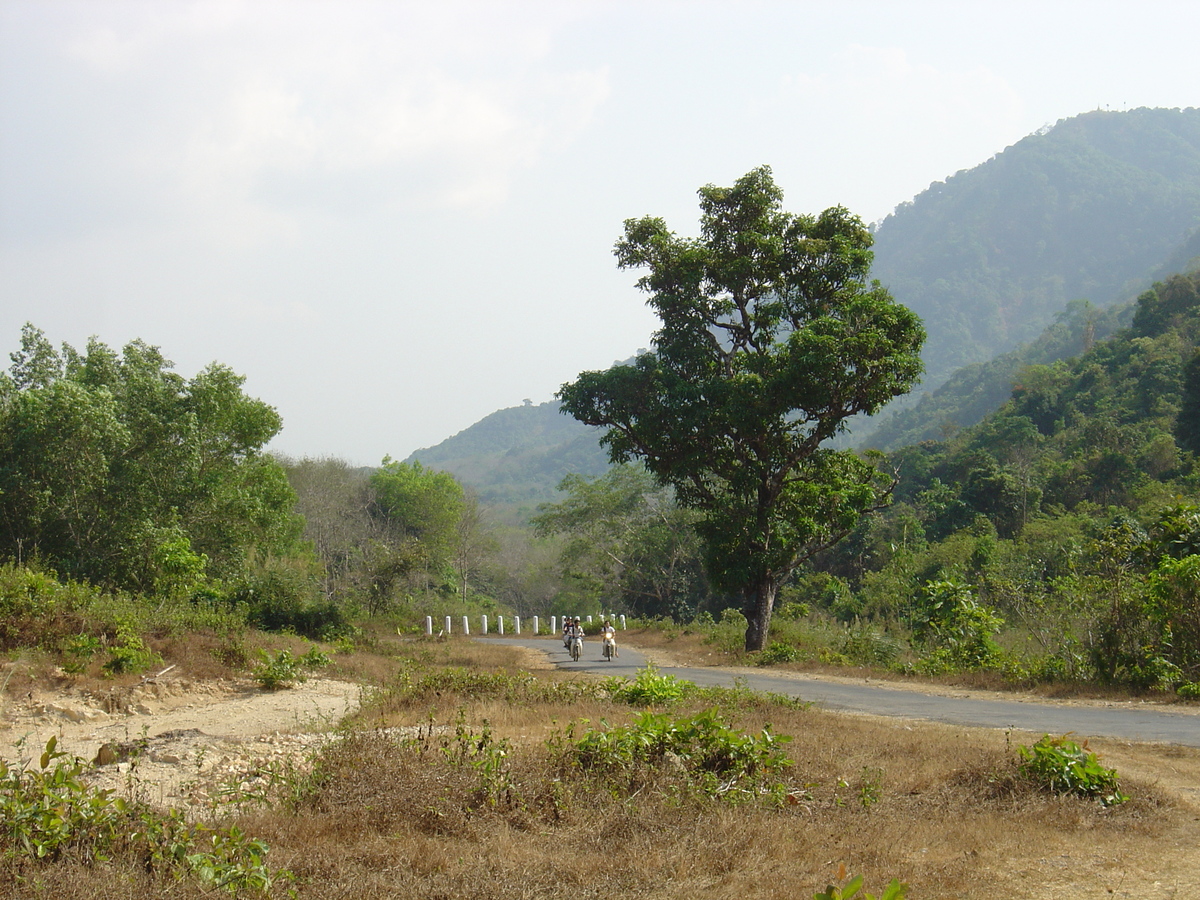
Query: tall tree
771, 338
419, 506
116, 469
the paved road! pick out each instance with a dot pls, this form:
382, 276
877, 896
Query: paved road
1135, 723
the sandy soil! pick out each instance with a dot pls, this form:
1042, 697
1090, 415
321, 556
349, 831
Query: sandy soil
175, 742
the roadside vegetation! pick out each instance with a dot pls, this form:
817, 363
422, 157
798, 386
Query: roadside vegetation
468, 773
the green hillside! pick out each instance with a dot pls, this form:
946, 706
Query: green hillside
518, 455
1090, 209
997, 260
980, 388
1107, 427
976, 390
1064, 526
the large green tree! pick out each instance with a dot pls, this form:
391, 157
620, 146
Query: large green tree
116, 469
771, 338
421, 510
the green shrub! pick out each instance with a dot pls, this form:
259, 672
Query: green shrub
733, 616
37, 610
948, 618
130, 655
710, 756
792, 610
1189, 690
49, 810
777, 652
1065, 767
283, 600
896, 890
278, 671
868, 646
648, 688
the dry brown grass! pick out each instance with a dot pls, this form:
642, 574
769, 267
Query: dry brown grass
936, 806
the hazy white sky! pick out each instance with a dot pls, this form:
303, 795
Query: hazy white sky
396, 217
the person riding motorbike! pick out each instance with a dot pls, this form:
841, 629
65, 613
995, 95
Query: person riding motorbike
571, 629
609, 634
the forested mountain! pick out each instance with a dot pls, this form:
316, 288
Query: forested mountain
518, 456
1069, 512
1115, 426
1091, 208
978, 389
1023, 260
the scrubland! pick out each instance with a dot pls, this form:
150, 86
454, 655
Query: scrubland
471, 771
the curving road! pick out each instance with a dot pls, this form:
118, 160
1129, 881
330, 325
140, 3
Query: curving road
1179, 725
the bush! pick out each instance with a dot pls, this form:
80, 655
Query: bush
949, 619
37, 610
49, 811
649, 688
284, 600
713, 758
285, 668
777, 652
866, 646
1065, 767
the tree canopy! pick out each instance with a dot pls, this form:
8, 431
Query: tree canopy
627, 543
116, 469
771, 337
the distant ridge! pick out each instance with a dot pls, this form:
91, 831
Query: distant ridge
1090, 209
518, 456
996, 260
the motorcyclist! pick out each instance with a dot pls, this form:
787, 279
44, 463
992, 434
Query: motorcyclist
608, 633
571, 629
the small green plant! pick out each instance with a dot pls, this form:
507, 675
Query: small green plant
45, 811
78, 651
870, 787
869, 646
950, 622
712, 757
279, 671
1065, 767
1189, 690
314, 658
896, 889
649, 688
487, 756
48, 808
777, 652
130, 655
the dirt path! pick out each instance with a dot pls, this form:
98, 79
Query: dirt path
176, 742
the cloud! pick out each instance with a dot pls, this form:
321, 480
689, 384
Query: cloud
246, 121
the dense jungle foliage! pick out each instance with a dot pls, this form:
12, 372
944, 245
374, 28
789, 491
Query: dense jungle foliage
1063, 528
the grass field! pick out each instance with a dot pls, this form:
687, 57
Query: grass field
525, 782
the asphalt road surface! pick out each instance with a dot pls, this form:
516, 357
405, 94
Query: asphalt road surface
1134, 722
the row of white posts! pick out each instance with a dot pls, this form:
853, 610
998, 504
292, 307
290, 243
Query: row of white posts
516, 624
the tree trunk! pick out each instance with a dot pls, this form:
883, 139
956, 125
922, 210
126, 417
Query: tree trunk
760, 601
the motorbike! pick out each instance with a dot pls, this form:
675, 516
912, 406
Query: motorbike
576, 647
610, 647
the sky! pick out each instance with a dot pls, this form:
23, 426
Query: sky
394, 218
